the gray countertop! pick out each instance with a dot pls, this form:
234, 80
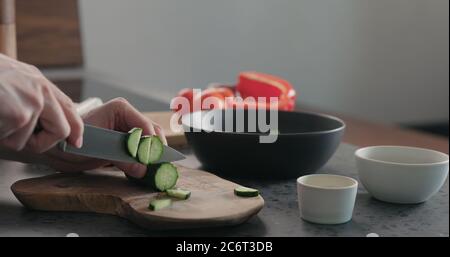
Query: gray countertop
279, 217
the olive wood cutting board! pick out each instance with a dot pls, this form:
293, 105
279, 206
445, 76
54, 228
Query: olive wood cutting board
107, 191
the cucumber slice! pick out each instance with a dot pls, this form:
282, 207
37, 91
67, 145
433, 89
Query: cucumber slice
166, 176
156, 149
143, 152
178, 193
246, 191
160, 177
133, 141
159, 204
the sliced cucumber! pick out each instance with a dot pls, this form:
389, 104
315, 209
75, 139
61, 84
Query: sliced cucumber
160, 177
134, 138
156, 149
246, 191
178, 193
159, 204
143, 152
166, 176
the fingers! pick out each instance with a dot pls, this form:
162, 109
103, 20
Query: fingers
19, 113
12, 118
135, 170
123, 116
160, 132
55, 126
127, 117
75, 122
28, 98
20, 137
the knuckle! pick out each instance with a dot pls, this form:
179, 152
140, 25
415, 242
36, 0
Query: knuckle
78, 124
77, 127
120, 101
156, 125
38, 102
39, 86
68, 104
20, 118
33, 68
63, 132
43, 86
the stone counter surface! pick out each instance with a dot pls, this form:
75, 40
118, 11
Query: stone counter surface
279, 217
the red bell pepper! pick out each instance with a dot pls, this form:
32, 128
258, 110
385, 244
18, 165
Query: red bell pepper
254, 84
251, 84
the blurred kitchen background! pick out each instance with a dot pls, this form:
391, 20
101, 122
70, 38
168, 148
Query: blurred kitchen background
384, 60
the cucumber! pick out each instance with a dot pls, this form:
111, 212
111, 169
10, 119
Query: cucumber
166, 176
143, 152
159, 204
178, 193
159, 177
156, 149
246, 191
133, 141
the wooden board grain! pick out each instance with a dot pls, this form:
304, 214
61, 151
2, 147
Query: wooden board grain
212, 202
174, 139
48, 33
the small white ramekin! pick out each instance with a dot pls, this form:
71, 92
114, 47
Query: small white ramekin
326, 199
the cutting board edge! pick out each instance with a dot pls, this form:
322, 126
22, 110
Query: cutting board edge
149, 222
118, 206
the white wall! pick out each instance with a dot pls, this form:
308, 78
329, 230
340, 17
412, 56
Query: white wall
383, 60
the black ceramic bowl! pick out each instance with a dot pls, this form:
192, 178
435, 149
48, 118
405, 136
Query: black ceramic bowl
305, 142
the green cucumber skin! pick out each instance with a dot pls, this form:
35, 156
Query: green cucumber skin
149, 179
159, 204
132, 132
156, 169
155, 142
246, 192
179, 193
140, 150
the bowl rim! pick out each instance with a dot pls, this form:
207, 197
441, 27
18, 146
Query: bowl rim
358, 154
321, 115
353, 185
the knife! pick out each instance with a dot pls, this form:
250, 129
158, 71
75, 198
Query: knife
110, 145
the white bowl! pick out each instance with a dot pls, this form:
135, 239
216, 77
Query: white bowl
401, 174
326, 199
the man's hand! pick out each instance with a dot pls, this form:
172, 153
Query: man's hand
28, 99
116, 114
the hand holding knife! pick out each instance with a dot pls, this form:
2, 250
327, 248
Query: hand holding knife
108, 144
111, 145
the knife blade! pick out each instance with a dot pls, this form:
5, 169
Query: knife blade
110, 145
